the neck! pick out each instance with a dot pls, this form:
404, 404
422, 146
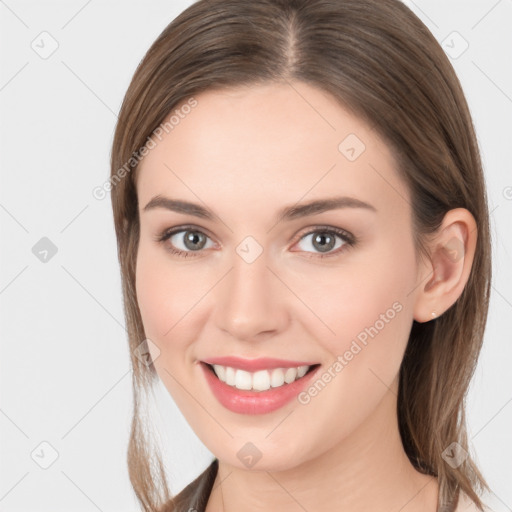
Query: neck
367, 471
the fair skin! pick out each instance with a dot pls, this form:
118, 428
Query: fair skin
245, 154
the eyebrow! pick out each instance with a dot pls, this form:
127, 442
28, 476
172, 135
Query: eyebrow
287, 213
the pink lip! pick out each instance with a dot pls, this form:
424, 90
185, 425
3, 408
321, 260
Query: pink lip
253, 365
255, 402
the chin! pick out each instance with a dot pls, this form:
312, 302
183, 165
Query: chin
260, 456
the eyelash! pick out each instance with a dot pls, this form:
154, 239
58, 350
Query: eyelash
348, 239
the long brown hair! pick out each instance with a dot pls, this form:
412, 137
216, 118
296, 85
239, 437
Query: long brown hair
381, 62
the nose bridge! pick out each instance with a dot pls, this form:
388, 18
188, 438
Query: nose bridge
250, 302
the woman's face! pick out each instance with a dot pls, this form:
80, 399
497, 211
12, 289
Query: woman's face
327, 286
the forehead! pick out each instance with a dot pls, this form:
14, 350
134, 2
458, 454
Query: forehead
268, 143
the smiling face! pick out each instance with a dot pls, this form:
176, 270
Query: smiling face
259, 276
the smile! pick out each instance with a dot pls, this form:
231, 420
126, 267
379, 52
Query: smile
260, 380
263, 390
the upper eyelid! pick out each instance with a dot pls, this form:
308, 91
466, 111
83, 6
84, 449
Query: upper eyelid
320, 228
187, 227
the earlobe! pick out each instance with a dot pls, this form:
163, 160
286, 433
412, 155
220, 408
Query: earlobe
447, 270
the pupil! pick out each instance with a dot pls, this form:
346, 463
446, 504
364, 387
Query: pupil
194, 240
326, 239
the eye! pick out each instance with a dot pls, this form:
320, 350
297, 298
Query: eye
185, 241
188, 241
326, 241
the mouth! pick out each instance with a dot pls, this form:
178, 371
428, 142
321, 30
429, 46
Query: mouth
257, 392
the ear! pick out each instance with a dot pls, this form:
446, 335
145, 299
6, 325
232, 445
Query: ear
445, 273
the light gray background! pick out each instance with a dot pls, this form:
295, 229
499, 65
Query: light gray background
65, 377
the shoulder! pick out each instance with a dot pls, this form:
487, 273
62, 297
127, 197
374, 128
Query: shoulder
465, 504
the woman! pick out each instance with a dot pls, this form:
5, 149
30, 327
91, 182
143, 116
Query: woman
303, 236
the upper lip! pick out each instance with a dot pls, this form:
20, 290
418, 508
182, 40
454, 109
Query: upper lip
252, 365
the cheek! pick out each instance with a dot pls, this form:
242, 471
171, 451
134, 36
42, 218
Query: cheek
369, 307
367, 304
163, 297
150, 283
171, 303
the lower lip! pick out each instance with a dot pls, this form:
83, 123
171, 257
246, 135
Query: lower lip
255, 402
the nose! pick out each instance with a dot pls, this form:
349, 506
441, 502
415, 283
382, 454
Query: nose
251, 301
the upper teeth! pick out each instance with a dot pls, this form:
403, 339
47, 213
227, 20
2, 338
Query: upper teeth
260, 380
